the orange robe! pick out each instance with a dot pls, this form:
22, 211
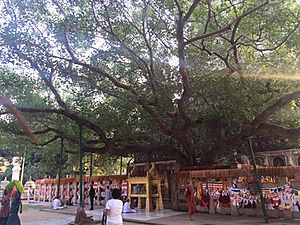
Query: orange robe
190, 200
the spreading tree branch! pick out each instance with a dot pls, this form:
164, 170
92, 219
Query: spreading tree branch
65, 34
277, 130
12, 109
190, 11
226, 27
50, 141
278, 45
283, 101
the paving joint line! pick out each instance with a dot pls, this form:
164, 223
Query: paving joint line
97, 221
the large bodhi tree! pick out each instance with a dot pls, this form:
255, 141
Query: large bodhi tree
148, 76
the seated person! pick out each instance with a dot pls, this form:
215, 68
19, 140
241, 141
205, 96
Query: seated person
127, 208
62, 202
57, 203
81, 217
69, 200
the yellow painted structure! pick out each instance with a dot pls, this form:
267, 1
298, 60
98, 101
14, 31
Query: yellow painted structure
146, 188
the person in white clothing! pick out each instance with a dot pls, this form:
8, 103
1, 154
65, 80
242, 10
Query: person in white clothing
107, 194
29, 194
57, 203
127, 208
113, 209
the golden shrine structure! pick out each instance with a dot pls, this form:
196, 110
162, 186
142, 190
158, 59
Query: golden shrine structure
146, 188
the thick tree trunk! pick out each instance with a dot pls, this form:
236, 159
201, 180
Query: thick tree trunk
188, 150
174, 191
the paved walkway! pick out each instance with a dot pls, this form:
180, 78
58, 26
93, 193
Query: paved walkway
139, 216
36, 217
46, 216
206, 219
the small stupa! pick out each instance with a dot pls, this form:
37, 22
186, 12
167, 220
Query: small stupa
29, 183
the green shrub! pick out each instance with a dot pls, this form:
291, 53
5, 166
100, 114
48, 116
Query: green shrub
16, 183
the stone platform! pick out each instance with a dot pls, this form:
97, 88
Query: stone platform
46, 216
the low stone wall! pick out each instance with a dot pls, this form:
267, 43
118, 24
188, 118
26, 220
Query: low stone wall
257, 212
296, 215
234, 211
224, 211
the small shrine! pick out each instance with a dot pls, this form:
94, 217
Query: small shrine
146, 188
29, 184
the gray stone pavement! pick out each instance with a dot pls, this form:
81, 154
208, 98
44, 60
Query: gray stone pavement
207, 219
37, 217
46, 216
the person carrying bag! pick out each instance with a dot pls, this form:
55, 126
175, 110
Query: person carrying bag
104, 218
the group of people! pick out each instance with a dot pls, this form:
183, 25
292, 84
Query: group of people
90, 195
113, 207
10, 206
113, 210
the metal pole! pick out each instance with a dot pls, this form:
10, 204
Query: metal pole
91, 164
80, 163
121, 165
257, 179
23, 166
60, 165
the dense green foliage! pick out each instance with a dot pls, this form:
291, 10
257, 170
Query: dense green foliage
112, 67
15, 183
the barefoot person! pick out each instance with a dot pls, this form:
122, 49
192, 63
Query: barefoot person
127, 208
13, 218
107, 194
4, 211
29, 194
81, 217
56, 203
190, 200
113, 209
92, 195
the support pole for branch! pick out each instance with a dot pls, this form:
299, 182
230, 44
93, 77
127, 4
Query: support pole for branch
23, 166
91, 164
121, 165
80, 163
60, 165
257, 179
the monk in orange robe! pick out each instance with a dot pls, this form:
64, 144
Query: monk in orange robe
190, 200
